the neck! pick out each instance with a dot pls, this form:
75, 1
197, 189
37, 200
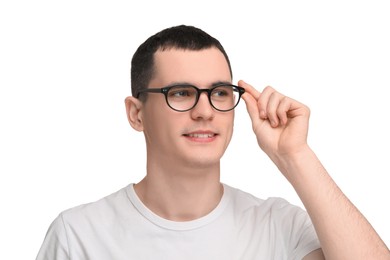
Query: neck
180, 193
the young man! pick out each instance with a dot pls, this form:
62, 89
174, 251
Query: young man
183, 101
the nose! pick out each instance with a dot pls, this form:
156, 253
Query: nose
203, 109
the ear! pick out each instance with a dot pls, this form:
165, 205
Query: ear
134, 113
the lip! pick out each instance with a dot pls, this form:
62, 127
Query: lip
201, 136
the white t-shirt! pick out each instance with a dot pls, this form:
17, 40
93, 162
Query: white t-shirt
121, 227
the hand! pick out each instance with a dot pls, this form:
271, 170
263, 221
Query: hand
279, 122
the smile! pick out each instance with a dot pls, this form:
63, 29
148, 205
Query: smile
195, 135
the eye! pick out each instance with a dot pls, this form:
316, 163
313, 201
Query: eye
220, 92
224, 91
181, 92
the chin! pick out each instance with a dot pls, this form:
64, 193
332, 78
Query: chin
204, 161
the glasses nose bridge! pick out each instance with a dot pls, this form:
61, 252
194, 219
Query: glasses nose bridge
200, 91
207, 91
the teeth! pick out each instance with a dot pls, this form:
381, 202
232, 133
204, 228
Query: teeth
201, 135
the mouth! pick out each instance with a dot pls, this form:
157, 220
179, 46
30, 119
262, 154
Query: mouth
196, 135
201, 136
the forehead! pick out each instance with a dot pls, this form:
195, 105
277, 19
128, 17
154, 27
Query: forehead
202, 67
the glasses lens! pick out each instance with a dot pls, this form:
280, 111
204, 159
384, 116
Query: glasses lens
225, 97
182, 97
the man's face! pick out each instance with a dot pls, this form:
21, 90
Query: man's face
198, 137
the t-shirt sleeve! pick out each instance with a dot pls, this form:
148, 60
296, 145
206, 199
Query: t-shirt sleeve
55, 244
306, 239
299, 233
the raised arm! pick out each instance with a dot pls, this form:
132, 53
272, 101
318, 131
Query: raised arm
281, 127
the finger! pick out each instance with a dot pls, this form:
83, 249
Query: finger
250, 97
251, 106
264, 100
273, 108
261, 98
249, 89
283, 109
290, 108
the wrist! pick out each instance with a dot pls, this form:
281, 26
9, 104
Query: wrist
294, 165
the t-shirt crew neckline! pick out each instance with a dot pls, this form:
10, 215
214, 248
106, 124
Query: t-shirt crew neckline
175, 225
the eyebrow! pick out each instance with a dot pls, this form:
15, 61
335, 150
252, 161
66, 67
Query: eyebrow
221, 82
188, 83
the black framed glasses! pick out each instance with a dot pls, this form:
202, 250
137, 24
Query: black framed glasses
183, 97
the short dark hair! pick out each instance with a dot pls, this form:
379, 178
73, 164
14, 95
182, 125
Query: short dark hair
178, 37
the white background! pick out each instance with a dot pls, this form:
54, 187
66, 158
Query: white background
64, 74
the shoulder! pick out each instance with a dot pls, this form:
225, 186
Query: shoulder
275, 208
106, 208
273, 215
72, 230
248, 200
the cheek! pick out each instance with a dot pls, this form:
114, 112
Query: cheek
230, 133
229, 122
159, 126
154, 111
